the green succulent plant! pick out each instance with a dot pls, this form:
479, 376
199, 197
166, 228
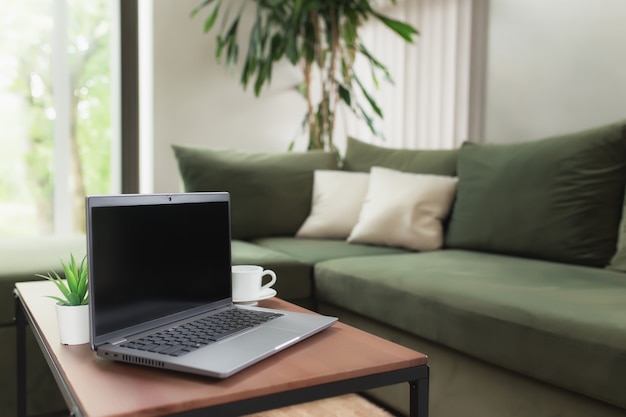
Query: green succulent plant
74, 286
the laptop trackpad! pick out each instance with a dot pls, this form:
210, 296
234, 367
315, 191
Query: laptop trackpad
262, 339
233, 354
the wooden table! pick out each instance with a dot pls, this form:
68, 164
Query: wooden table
337, 361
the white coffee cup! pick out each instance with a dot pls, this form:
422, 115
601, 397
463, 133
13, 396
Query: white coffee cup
247, 281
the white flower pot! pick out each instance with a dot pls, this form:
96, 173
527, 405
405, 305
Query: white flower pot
73, 324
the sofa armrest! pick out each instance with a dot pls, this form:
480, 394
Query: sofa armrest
22, 258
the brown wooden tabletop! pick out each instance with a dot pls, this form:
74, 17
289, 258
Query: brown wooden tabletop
106, 388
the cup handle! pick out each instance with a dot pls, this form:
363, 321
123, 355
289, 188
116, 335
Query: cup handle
272, 281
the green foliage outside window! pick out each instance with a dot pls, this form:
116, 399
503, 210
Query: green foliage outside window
26, 91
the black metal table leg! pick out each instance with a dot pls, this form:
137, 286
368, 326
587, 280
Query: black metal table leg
419, 396
20, 335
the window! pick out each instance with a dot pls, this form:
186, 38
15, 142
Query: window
57, 124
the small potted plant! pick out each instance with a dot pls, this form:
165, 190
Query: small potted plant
72, 307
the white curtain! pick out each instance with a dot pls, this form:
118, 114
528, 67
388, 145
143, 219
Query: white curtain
437, 99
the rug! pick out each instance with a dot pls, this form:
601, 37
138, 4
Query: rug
351, 405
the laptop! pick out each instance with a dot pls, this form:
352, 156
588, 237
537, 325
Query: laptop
160, 269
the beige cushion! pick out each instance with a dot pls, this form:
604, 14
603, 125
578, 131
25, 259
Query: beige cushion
404, 209
337, 200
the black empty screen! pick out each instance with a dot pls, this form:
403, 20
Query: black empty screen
150, 261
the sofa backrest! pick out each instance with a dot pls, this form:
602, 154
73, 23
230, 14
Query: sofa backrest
270, 192
361, 157
557, 199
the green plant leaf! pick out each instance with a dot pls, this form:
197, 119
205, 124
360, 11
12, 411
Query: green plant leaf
59, 283
255, 52
262, 75
74, 299
74, 287
291, 49
82, 281
350, 28
229, 40
375, 63
405, 30
208, 23
200, 6
220, 47
369, 98
345, 95
59, 300
70, 274
277, 47
363, 115
232, 52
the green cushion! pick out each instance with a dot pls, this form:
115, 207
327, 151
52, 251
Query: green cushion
361, 156
557, 199
563, 324
315, 250
618, 262
270, 192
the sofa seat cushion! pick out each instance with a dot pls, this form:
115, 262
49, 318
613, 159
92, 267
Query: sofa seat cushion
315, 250
563, 324
293, 276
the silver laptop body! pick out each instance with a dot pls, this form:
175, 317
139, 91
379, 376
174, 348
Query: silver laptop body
159, 261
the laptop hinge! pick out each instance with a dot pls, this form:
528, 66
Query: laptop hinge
118, 341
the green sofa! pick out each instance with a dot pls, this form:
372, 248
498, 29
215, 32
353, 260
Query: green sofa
505, 264
521, 307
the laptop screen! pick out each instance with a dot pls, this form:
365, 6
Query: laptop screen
154, 256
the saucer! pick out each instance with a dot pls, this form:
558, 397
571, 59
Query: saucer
265, 294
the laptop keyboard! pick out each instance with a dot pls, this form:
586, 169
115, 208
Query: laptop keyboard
185, 338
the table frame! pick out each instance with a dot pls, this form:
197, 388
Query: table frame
417, 378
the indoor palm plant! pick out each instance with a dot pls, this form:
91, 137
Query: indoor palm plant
319, 36
72, 306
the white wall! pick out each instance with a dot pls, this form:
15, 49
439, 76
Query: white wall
554, 67
197, 101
